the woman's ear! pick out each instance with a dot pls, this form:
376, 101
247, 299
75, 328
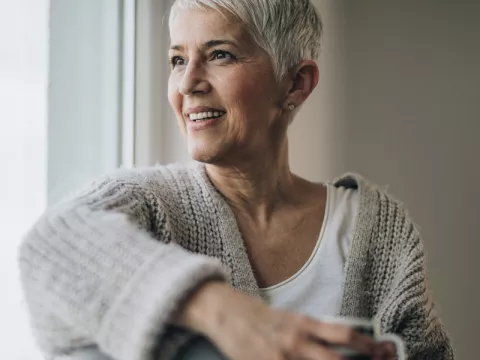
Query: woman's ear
305, 79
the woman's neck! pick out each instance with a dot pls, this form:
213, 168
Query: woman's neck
257, 188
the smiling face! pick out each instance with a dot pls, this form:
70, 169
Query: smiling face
222, 88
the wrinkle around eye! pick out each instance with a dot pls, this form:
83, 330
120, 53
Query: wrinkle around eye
226, 56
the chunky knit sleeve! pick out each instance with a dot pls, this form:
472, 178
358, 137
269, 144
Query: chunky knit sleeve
94, 275
408, 309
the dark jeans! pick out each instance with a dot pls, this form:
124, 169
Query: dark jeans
200, 349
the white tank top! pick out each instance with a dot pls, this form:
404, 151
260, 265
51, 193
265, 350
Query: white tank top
316, 289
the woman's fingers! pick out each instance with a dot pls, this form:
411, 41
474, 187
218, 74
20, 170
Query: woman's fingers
342, 335
314, 351
295, 345
385, 351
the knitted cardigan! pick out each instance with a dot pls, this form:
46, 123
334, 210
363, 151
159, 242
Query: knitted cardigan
109, 266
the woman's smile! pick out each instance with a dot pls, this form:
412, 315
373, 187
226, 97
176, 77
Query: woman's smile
203, 117
204, 123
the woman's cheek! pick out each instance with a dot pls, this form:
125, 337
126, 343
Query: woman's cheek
244, 91
172, 94
175, 100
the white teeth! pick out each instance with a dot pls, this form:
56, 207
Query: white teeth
205, 115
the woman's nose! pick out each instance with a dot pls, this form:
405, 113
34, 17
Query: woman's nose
194, 81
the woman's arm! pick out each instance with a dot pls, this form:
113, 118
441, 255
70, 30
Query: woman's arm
93, 275
429, 339
409, 307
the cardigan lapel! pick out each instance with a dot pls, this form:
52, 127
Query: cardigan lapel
355, 300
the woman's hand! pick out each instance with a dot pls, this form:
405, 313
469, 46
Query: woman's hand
243, 327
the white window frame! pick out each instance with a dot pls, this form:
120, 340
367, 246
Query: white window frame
128, 116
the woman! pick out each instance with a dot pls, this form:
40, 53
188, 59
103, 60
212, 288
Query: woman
235, 248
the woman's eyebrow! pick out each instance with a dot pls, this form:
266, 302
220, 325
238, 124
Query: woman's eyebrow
213, 43
176, 47
207, 45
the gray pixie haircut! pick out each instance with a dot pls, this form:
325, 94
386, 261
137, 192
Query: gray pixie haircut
288, 30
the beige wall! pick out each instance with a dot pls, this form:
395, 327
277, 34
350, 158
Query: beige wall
316, 135
400, 104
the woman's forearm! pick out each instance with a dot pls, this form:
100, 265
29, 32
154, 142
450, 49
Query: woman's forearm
204, 310
93, 276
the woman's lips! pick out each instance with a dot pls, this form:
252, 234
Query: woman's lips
203, 124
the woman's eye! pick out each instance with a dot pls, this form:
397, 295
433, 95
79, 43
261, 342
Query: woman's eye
221, 55
176, 60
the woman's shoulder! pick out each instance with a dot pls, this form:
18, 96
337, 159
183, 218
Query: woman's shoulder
161, 181
380, 212
371, 193
144, 175
165, 176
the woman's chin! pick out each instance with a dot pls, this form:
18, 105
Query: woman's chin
204, 153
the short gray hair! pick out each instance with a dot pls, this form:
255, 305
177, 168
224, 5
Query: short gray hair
288, 30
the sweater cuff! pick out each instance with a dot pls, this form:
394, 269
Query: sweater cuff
136, 323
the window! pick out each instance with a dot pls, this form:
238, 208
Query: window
66, 116
86, 92
23, 150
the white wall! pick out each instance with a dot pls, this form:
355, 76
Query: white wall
157, 135
316, 133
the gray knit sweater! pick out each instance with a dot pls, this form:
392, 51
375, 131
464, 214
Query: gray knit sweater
110, 266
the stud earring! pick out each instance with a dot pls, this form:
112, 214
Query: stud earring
291, 107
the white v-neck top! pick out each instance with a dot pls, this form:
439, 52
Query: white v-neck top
316, 289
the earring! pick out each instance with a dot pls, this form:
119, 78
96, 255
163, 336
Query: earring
291, 107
